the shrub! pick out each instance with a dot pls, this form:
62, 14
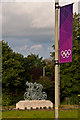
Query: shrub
44, 108
11, 108
6, 99
40, 107
53, 107
25, 108
8, 107
31, 108
49, 107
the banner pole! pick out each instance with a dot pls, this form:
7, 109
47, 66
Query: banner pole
56, 62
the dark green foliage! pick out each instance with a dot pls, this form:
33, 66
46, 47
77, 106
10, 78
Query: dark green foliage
40, 107
12, 71
35, 65
25, 108
48, 86
44, 107
50, 69
6, 101
48, 80
31, 108
16, 70
49, 107
11, 108
34, 60
45, 81
69, 72
32, 65
0, 73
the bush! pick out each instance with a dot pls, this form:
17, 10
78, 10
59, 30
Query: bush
6, 99
49, 107
37, 108
53, 107
44, 108
31, 108
11, 108
25, 108
40, 107
47, 86
46, 82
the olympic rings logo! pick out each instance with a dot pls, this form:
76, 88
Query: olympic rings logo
65, 53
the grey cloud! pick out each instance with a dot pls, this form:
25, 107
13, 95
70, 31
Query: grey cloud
25, 19
36, 47
17, 44
79, 7
19, 29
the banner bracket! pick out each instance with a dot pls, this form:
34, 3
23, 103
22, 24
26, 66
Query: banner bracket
57, 5
56, 62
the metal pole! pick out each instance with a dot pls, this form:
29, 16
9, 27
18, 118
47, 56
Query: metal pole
56, 62
43, 71
59, 84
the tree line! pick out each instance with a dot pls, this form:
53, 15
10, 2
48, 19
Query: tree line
17, 69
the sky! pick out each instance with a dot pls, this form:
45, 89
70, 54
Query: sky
29, 27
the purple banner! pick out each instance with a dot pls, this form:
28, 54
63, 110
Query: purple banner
66, 33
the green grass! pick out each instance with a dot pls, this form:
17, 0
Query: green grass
40, 114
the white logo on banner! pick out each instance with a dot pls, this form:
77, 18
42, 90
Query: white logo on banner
65, 53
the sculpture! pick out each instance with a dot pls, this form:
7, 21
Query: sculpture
34, 92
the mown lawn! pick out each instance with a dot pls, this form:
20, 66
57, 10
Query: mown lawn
40, 114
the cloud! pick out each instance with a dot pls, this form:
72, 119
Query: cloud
44, 16
68, 1
37, 0
23, 48
23, 19
20, 49
26, 19
79, 7
29, 27
50, 48
36, 47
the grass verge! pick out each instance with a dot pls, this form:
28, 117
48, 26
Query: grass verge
40, 114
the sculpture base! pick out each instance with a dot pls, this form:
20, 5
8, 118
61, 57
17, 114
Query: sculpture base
29, 104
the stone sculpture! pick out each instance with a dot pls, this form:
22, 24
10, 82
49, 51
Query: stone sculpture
34, 92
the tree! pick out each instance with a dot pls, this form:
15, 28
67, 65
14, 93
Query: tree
12, 71
69, 72
50, 68
48, 86
16, 70
0, 72
34, 63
